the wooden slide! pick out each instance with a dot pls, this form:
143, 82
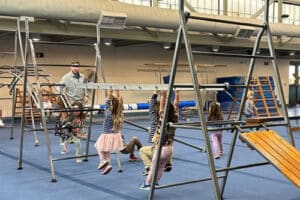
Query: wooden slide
284, 156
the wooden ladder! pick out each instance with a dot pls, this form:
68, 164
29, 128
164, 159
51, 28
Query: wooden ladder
18, 111
265, 100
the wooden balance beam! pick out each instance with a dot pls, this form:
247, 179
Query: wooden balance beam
284, 156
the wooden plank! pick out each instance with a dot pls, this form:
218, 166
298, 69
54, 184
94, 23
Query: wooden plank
280, 153
263, 145
284, 156
279, 165
283, 143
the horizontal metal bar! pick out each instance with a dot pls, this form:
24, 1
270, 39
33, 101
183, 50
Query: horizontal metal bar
186, 182
225, 21
61, 65
63, 43
9, 53
5, 98
116, 86
136, 125
141, 87
231, 55
84, 109
73, 157
190, 145
242, 166
6, 77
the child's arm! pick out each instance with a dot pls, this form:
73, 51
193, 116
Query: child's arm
163, 97
117, 93
176, 101
110, 94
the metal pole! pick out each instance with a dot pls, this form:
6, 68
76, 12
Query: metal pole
24, 58
13, 109
200, 105
97, 64
42, 111
277, 76
166, 109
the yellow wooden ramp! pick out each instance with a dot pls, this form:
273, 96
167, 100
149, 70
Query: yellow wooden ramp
284, 156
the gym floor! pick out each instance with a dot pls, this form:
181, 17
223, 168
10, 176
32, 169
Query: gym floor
83, 181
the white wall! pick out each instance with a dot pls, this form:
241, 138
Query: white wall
121, 65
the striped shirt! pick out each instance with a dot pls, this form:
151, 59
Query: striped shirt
168, 138
108, 123
154, 115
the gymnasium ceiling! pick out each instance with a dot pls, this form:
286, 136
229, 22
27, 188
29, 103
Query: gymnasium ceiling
69, 31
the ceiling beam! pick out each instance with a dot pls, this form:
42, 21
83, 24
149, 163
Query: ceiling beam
139, 34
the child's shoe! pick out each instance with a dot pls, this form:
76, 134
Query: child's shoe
102, 164
78, 160
168, 167
144, 186
217, 156
133, 158
107, 169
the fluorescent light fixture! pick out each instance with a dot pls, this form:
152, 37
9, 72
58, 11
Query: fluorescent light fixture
258, 51
36, 37
167, 45
107, 41
215, 48
112, 20
292, 53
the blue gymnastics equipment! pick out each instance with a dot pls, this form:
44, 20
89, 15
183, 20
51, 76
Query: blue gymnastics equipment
145, 106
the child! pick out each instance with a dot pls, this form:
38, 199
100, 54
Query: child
167, 140
128, 148
73, 129
250, 107
110, 140
215, 114
146, 152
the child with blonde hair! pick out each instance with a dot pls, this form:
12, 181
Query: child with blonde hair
110, 140
215, 114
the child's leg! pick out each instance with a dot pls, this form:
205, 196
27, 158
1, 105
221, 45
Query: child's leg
214, 138
77, 142
220, 135
63, 145
106, 164
146, 153
104, 159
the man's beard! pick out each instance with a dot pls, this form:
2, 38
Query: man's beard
77, 75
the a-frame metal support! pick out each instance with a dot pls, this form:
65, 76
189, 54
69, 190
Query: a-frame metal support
183, 37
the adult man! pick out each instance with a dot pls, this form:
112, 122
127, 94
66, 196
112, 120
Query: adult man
74, 77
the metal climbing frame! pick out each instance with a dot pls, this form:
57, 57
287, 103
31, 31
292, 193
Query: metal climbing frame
183, 37
106, 20
27, 88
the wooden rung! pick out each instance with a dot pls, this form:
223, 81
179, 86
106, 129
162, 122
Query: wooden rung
295, 128
284, 156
